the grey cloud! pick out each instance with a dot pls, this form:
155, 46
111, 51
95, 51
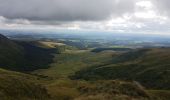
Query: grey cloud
64, 10
162, 6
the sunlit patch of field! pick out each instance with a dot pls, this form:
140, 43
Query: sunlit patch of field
49, 44
76, 51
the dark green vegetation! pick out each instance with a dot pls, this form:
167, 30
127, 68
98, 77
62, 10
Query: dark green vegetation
50, 66
11, 54
36, 57
111, 49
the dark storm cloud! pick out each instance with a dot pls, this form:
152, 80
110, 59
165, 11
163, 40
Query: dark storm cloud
64, 10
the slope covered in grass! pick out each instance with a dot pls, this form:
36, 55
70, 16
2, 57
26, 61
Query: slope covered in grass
11, 54
97, 90
24, 56
151, 67
112, 90
18, 86
36, 57
160, 94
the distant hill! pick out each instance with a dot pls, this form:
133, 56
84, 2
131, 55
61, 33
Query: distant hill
151, 67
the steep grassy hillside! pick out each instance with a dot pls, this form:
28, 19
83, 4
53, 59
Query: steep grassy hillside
18, 86
24, 56
11, 54
151, 67
36, 57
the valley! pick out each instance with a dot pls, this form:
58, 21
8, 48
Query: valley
74, 68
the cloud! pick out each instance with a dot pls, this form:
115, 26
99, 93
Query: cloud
64, 10
162, 6
113, 15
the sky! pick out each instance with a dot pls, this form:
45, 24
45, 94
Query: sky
126, 16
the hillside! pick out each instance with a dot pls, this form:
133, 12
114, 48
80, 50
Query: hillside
18, 86
36, 57
24, 55
148, 66
11, 54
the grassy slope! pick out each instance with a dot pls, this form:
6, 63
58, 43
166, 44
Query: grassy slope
160, 94
11, 54
96, 90
65, 89
18, 86
36, 57
24, 56
150, 67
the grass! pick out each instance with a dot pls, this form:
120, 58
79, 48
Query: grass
97, 50
18, 86
68, 63
47, 44
11, 54
65, 89
160, 94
